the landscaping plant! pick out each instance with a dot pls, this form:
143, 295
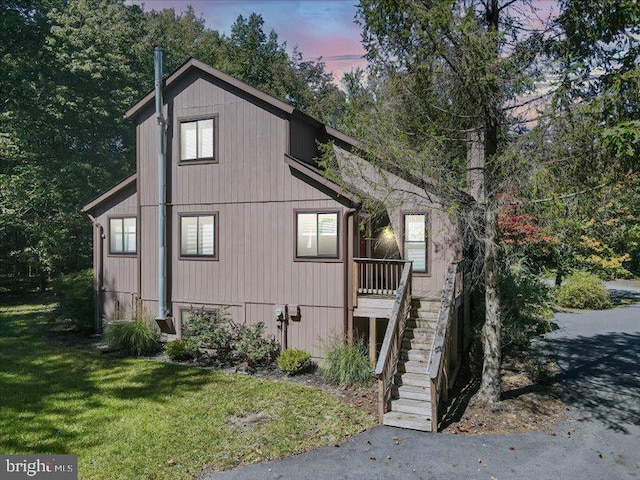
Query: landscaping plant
583, 290
347, 364
252, 345
293, 361
526, 307
136, 337
227, 341
181, 349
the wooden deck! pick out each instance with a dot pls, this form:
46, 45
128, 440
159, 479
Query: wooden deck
378, 306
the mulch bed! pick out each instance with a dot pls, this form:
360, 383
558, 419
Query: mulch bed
526, 404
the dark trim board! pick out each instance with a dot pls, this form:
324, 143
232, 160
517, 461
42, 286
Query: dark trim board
214, 72
317, 176
110, 253
428, 234
216, 236
322, 259
109, 193
216, 138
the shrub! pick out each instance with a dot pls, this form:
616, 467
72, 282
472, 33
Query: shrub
526, 304
347, 364
293, 361
75, 298
252, 345
230, 342
211, 330
182, 349
583, 290
135, 337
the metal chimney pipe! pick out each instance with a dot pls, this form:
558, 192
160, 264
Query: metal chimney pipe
162, 190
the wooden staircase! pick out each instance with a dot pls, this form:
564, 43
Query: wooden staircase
411, 394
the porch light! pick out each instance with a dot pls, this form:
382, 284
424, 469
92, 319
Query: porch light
387, 236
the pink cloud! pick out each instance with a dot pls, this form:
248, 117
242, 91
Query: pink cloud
319, 28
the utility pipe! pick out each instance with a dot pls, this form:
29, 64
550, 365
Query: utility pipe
162, 191
347, 283
99, 245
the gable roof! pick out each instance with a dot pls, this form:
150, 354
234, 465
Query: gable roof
110, 193
318, 176
193, 63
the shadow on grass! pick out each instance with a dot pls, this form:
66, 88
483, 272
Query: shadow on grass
53, 397
600, 377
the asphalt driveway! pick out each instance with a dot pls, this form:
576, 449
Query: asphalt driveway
598, 356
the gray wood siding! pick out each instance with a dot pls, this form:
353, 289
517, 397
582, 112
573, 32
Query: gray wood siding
303, 140
120, 273
316, 328
256, 259
398, 196
252, 144
149, 252
254, 194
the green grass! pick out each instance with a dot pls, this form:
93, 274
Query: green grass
135, 418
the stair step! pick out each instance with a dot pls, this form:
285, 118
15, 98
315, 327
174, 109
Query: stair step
426, 311
418, 354
418, 332
419, 407
407, 420
412, 366
414, 379
414, 322
428, 297
410, 392
423, 343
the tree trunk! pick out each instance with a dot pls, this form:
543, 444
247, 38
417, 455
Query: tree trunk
490, 387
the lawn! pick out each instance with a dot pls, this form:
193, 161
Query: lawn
136, 418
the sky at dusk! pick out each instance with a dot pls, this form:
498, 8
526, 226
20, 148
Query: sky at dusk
320, 28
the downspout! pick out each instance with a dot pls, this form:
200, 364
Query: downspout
347, 281
98, 274
162, 191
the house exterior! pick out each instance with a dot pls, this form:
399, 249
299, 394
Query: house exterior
253, 225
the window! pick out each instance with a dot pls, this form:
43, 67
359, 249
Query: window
198, 235
198, 139
317, 234
122, 235
415, 240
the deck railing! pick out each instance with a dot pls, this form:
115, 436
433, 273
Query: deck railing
377, 276
445, 357
387, 365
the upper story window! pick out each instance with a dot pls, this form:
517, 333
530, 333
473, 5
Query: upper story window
198, 236
122, 235
416, 240
317, 234
198, 139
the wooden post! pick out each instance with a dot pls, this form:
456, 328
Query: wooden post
381, 399
434, 405
372, 341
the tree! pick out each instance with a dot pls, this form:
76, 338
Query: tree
70, 68
445, 76
262, 61
65, 115
181, 36
588, 140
